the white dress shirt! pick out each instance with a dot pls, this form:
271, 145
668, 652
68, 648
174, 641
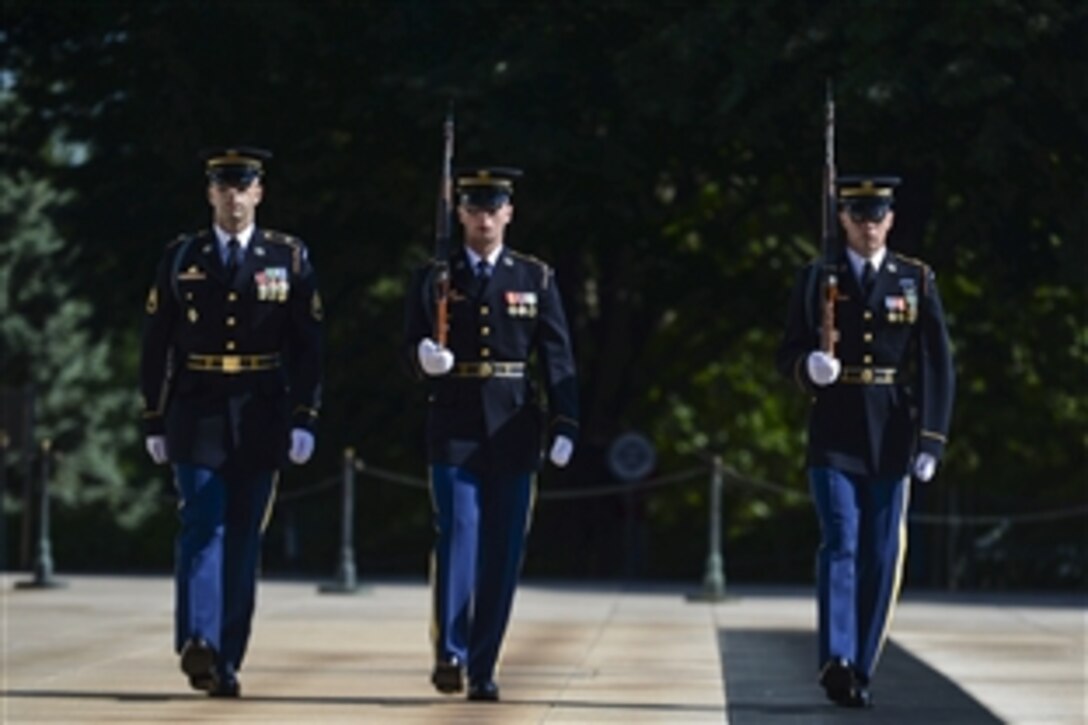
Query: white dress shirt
857, 262
243, 238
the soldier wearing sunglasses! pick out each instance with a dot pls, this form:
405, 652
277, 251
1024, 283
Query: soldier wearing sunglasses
880, 413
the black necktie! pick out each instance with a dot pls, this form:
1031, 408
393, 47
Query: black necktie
868, 274
234, 255
483, 269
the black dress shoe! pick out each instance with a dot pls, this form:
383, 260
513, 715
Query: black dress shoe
842, 686
483, 691
837, 679
448, 676
859, 697
228, 684
198, 662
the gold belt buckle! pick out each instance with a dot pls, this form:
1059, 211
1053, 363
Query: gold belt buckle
867, 375
232, 364
485, 370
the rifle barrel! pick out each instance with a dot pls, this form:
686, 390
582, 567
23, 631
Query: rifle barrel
830, 286
442, 228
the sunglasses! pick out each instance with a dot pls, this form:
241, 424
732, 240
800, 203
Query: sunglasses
238, 184
860, 215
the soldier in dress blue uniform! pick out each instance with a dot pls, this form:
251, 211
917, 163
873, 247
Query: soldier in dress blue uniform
881, 407
231, 380
484, 426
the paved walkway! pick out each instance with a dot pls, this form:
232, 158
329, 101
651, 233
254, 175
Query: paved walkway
98, 650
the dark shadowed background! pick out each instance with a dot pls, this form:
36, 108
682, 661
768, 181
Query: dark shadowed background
673, 154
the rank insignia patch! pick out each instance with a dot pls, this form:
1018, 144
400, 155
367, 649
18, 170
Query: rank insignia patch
193, 273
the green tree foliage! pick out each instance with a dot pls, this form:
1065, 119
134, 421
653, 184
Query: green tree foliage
80, 404
673, 154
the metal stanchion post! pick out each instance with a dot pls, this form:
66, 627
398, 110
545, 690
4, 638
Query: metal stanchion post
25, 434
345, 578
4, 443
43, 564
713, 575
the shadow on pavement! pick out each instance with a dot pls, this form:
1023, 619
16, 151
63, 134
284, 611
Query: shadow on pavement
770, 677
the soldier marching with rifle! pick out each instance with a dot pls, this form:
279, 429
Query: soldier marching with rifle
474, 316
866, 339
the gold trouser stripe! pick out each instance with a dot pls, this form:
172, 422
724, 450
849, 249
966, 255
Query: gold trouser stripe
897, 581
233, 364
865, 375
486, 369
267, 518
533, 493
432, 569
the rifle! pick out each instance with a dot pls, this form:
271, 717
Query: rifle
442, 235
829, 290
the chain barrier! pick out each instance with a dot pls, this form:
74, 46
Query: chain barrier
932, 519
1034, 517
322, 485
729, 472
557, 494
390, 476
567, 494
713, 580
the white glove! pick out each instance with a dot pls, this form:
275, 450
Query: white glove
302, 446
822, 368
156, 448
433, 358
562, 450
925, 465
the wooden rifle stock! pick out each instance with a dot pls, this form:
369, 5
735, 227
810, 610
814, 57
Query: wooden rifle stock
829, 296
441, 304
442, 236
829, 290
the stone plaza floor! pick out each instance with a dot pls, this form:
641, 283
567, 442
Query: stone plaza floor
99, 650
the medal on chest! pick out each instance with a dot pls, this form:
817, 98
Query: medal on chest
272, 284
520, 304
903, 307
